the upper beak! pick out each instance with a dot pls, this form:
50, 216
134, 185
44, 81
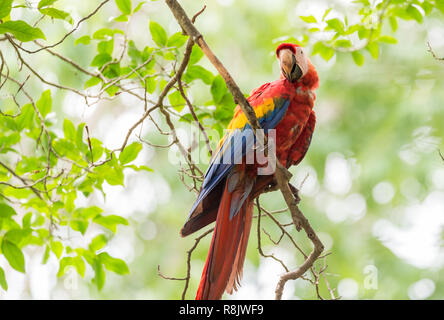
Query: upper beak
290, 69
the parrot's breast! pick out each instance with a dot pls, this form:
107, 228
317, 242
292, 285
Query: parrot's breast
293, 123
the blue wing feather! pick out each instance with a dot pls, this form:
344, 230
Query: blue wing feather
233, 149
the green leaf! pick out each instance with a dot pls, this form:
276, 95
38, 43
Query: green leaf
76, 262
103, 34
113, 264
79, 138
326, 13
218, 89
336, 25
106, 46
308, 19
69, 130
56, 14
358, 58
393, 23
90, 212
45, 3
5, 8
176, 100
100, 59
79, 225
66, 148
343, 43
388, 39
111, 71
124, 6
151, 84
3, 282
352, 29
57, 248
177, 40
64, 263
110, 222
401, 13
114, 176
134, 52
413, 12
363, 33
7, 141
139, 6
26, 220
19, 237
98, 242
158, 34
140, 168
130, 153
427, 7
199, 72
25, 119
325, 52
440, 5
373, 48
21, 30
46, 255
99, 278
79, 264
6, 211
91, 82
87, 255
121, 18
196, 55
44, 104
14, 255
112, 90
8, 224
97, 149
69, 200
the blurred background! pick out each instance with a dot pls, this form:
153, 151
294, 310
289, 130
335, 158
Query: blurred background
372, 181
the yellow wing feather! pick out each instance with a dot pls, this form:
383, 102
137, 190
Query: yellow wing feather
240, 120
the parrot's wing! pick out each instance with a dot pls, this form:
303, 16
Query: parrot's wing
236, 143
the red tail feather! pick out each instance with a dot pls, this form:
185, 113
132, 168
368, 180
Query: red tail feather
226, 256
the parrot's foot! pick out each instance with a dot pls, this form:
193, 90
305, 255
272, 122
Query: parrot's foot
273, 186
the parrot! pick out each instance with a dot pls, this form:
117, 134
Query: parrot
229, 188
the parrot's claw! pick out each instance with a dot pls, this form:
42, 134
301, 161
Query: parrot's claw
297, 222
295, 192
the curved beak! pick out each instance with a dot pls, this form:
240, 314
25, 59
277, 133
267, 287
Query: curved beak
289, 66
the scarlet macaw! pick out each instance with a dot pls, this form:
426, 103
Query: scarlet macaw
229, 189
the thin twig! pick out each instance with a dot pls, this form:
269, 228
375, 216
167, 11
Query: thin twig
433, 53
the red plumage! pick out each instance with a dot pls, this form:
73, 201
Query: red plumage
226, 256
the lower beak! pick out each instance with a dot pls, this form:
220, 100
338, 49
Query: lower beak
296, 73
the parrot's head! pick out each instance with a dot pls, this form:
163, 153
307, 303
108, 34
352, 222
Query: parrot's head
293, 62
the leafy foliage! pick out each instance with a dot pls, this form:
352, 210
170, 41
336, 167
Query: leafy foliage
338, 35
50, 161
